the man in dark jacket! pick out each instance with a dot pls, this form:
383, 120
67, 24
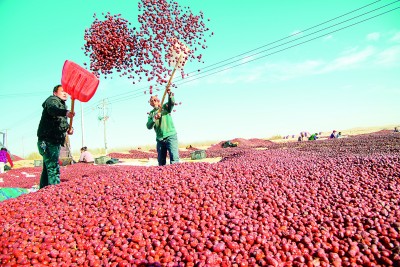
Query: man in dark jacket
51, 134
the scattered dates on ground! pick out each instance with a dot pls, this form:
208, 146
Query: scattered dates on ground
315, 203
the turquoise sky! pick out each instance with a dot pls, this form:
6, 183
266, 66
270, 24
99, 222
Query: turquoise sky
344, 79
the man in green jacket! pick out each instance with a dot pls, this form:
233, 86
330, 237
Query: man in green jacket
166, 137
51, 134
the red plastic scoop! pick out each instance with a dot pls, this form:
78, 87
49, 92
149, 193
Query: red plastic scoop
79, 83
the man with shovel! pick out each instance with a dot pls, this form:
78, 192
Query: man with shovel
160, 119
51, 133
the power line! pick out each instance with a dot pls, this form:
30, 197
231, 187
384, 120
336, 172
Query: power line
287, 37
263, 51
286, 48
138, 92
23, 94
134, 93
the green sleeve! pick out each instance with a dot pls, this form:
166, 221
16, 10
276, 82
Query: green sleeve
170, 104
150, 122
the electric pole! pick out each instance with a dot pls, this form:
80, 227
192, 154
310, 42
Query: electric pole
5, 142
104, 117
82, 126
4, 134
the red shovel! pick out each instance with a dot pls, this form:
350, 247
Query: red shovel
79, 83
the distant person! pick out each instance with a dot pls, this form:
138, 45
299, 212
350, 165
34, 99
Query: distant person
313, 137
299, 139
86, 156
166, 136
52, 130
396, 130
339, 135
6, 158
333, 134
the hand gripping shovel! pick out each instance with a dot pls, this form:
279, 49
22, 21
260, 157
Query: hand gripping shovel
79, 83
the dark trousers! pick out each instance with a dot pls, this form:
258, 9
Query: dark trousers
51, 168
169, 144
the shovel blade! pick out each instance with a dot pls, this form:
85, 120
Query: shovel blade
78, 82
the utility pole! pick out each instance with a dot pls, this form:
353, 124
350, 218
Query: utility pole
104, 117
4, 143
82, 126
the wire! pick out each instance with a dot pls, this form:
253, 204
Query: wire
138, 92
241, 59
284, 38
23, 94
286, 48
135, 92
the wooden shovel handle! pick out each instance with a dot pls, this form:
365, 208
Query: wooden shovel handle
169, 83
72, 110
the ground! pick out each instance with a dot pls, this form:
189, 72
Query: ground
153, 162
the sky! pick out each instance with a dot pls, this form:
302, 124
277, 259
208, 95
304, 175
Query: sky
271, 68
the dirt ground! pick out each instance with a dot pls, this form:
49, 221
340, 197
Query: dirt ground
131, 162
153, 162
